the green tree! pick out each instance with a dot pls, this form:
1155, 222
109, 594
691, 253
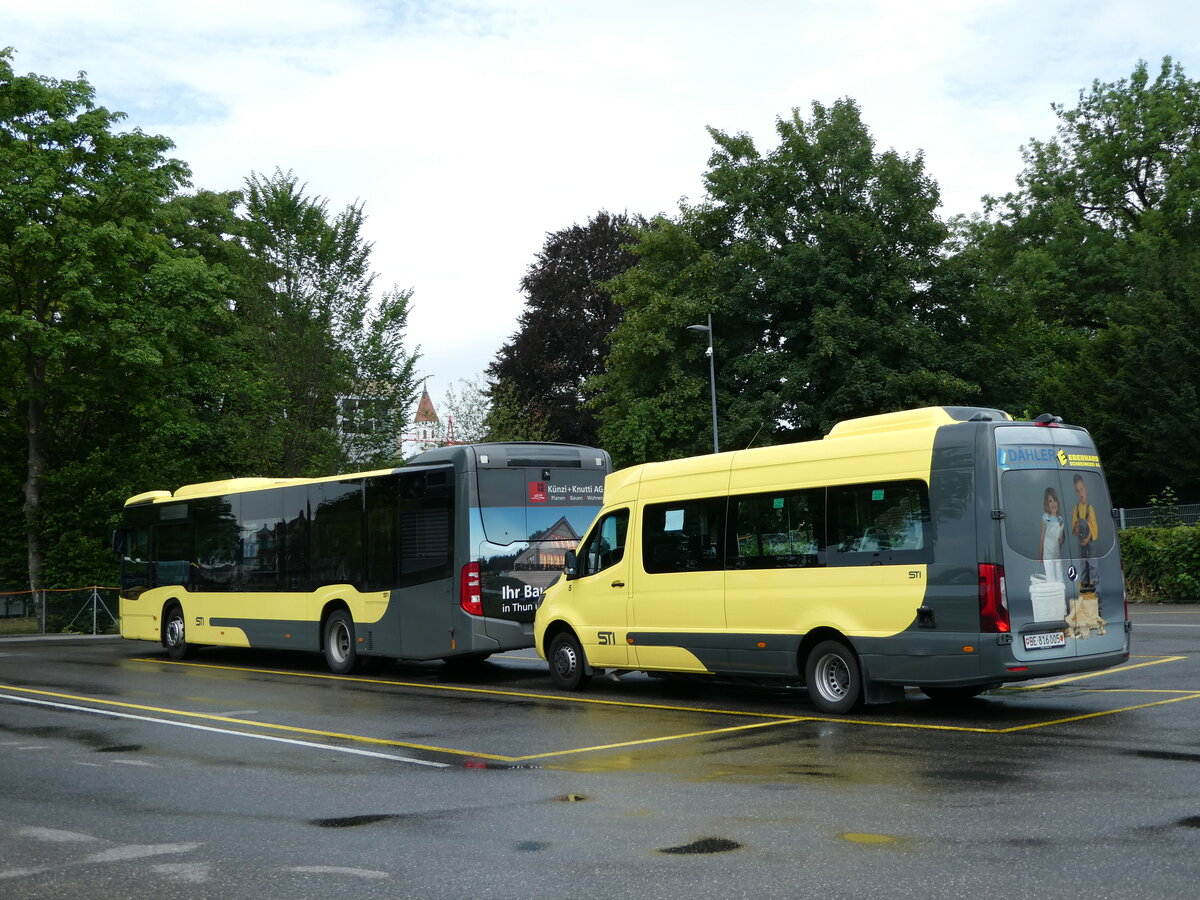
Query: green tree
543, 369
343, 376
511, 419
815, 261
467, 407
1101, 238
82, 269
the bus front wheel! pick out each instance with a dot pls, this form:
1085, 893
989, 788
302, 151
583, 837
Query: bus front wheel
175, 635
834, 678
341, 653
568, 665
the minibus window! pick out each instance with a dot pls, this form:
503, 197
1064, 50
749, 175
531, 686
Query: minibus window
882, 517
605, 546
683, 535
777, 531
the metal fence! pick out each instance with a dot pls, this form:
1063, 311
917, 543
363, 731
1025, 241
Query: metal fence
1161, 516
90, 610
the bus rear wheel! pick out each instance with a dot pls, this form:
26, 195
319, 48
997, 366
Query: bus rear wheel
341, 652
834, 677
568, 665
174, 637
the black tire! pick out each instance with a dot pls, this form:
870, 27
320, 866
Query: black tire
954, 696
174, 635
338, 642
568, 664
834, 678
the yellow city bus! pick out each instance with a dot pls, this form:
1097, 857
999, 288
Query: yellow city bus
949, 548
445, 558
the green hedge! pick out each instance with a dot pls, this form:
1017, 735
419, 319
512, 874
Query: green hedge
1162, 565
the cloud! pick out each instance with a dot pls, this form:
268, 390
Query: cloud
471, 129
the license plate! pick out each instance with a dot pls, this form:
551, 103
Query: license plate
1044, 640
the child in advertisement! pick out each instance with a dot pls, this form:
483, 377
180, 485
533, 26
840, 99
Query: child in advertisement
1084, 617
1053, 536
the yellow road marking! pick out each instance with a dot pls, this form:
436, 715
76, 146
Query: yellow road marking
1155, 660
524, 695
228, 720
771, 719
659, 740
1096, 715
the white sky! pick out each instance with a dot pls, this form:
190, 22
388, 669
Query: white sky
472, 128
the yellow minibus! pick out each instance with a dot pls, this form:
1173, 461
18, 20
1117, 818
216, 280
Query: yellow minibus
949, 548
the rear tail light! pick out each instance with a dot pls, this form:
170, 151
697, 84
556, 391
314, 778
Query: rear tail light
470, 595
993, 600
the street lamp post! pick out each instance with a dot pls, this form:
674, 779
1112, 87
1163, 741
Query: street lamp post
712, 376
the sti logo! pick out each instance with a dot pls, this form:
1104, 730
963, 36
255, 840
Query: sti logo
537, 492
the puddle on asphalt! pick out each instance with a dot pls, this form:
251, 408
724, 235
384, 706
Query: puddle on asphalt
704, 845
353, 821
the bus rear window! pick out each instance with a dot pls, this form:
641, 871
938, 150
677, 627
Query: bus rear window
517, 504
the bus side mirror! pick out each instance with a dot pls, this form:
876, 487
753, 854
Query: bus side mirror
120, 540
571, 565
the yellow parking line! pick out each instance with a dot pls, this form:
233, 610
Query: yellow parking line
494, 692
772, 719
228, 720
1096, 715
1154, 661
657, 740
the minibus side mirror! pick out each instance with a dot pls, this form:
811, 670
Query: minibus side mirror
571, 565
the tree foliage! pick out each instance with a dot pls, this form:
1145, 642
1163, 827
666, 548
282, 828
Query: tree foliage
158, 338
94, 299
345, 378
543, 369
815, 261
1102, 239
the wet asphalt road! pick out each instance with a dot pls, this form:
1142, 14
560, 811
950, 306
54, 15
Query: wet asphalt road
259, 774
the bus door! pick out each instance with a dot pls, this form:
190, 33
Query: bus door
679, 596
1066, 594
530, 516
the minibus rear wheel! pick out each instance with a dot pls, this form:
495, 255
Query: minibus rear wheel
568, 665
834, 677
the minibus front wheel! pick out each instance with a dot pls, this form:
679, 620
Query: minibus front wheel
834, 677
568, 665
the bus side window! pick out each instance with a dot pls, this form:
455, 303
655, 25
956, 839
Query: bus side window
885, 517
135, 558
261, 541
426, 527
173, 552
336, 534
295, 539
606, 544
